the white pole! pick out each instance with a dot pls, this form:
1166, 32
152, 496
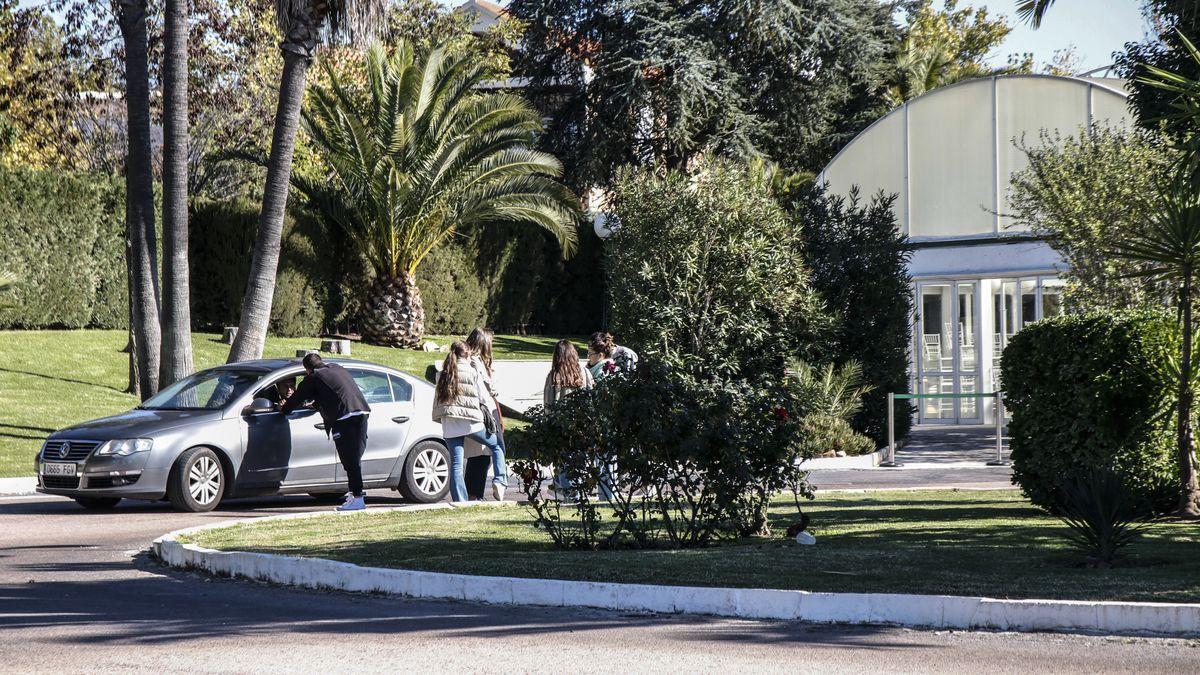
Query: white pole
891, 417
999, 412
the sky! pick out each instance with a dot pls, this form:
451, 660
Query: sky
1096, 28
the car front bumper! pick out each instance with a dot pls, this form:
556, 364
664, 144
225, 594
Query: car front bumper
102, 477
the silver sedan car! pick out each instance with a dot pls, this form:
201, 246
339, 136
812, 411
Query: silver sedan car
219, 434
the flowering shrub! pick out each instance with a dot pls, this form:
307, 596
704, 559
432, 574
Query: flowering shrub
673, 460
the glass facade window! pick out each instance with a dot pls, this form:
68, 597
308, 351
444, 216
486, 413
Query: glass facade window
949, 354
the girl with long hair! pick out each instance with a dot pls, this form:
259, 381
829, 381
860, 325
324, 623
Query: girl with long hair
459, 404
566, 374
480, 344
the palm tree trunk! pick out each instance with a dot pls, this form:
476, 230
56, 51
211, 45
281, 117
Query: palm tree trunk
1189, 505
176, 310
260, 287
139, 196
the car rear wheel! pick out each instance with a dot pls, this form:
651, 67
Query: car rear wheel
197, 481
426, 472
97, 503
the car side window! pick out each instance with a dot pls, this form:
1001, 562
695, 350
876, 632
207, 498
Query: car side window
374, 385
401, 389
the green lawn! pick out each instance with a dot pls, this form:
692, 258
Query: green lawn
52, 379
938, 542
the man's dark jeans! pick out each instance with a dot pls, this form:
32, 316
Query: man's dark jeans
350, 439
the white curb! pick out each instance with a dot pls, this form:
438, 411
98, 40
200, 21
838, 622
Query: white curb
867, 461
18, 487
930, 611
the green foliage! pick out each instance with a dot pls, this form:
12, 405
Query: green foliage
1173, 22
419, 154
827, 435
1084, 192
949, 45
858, 262
708, 270
1102, 515
669, 81
1086, 393
829, 390
221, 245
63, 235
688, 461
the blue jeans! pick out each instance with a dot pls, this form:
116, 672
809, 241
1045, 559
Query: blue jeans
458, 488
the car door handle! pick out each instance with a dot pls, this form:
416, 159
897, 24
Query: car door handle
400, 419
320, 425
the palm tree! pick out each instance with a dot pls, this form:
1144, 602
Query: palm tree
176, 312
139, 199
830, 390
304, 23
416, 156
1033, 11
1169, 248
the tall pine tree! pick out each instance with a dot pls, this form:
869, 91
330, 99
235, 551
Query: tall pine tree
641, 81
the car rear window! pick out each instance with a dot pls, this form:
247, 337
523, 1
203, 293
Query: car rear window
401, 389
374, 386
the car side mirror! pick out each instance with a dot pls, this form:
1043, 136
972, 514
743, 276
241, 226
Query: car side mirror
259, 406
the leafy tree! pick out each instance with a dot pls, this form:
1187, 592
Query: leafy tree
945, 46
858, 261
1083, 192
1174, 22
645, 82
1168, 248
707, 270
424, 155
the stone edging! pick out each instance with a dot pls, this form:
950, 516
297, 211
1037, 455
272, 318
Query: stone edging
936, 611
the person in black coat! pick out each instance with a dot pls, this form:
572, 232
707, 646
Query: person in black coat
334, 394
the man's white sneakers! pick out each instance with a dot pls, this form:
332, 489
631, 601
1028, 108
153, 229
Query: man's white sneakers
353, 503
498, 491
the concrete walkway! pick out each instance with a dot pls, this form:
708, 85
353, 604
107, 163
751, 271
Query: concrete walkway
936, 456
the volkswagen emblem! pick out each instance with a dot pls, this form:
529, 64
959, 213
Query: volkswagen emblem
64, 450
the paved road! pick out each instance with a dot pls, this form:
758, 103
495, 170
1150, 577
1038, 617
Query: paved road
78, 594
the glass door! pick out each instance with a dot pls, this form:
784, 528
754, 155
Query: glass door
946, 345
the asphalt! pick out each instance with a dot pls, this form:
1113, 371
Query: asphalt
78, 593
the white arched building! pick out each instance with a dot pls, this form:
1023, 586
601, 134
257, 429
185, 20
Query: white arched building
948, 155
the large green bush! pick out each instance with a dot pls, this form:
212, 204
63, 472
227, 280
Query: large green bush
858, 261
62, 236
1086, 394
688, 460
707, 269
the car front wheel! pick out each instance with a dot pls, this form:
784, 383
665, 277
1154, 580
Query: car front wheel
197, 481
426, 472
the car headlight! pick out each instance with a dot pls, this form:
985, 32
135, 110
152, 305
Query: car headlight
125, 447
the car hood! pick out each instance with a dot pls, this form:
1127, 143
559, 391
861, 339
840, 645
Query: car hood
136, 424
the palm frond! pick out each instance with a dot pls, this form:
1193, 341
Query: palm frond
419, 151
338, 21
1033, 11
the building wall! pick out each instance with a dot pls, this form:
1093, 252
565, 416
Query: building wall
977, 279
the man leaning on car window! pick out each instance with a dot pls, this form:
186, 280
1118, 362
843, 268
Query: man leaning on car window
332, 391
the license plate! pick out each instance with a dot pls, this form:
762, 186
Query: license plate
58, 469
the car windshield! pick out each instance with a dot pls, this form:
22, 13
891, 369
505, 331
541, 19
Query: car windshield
206, 390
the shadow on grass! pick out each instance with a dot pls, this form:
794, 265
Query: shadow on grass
62, 379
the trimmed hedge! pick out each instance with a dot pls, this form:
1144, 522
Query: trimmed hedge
221, 244
62, 236
1085, 393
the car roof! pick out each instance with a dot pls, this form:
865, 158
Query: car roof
271, 365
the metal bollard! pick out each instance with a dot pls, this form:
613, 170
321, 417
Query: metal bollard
998, 411
890, 462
